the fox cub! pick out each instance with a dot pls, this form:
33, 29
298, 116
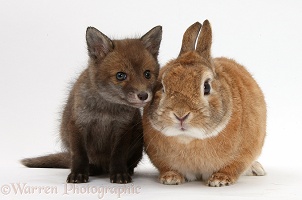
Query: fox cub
101, 126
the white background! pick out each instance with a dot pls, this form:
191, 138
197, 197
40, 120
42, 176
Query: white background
43, 49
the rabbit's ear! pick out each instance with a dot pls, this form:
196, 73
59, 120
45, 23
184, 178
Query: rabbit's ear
189, 38
204, 42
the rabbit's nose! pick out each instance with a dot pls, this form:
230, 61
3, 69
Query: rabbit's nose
183, 118
142, 96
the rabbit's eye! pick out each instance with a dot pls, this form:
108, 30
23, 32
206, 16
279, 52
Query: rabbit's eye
206, 88
121, 76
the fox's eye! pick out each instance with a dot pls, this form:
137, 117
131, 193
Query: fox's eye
206, 88
121, 76
147, 74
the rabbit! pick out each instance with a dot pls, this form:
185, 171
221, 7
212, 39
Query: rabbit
207, 119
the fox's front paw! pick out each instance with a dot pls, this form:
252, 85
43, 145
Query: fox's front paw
77, 178
220, 179
171, 178
120, 178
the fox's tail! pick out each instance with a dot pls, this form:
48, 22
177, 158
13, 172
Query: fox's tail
57, 160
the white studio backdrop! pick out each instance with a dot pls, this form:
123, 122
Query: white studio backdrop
43, 49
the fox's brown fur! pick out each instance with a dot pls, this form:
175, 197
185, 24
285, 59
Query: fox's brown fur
101, 126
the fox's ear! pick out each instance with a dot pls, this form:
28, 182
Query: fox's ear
98, 44
152, 40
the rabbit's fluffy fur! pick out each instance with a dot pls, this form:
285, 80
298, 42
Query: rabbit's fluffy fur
208, 116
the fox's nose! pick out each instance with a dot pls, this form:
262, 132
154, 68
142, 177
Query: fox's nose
142, 96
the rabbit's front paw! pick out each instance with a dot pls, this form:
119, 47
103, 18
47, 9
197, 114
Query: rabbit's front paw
171, 178
219, 180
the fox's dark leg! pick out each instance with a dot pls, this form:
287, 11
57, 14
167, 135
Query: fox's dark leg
79, 159
136, 146
134, 160
118, 160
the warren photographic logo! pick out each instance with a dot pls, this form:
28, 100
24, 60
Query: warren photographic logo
20, 189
